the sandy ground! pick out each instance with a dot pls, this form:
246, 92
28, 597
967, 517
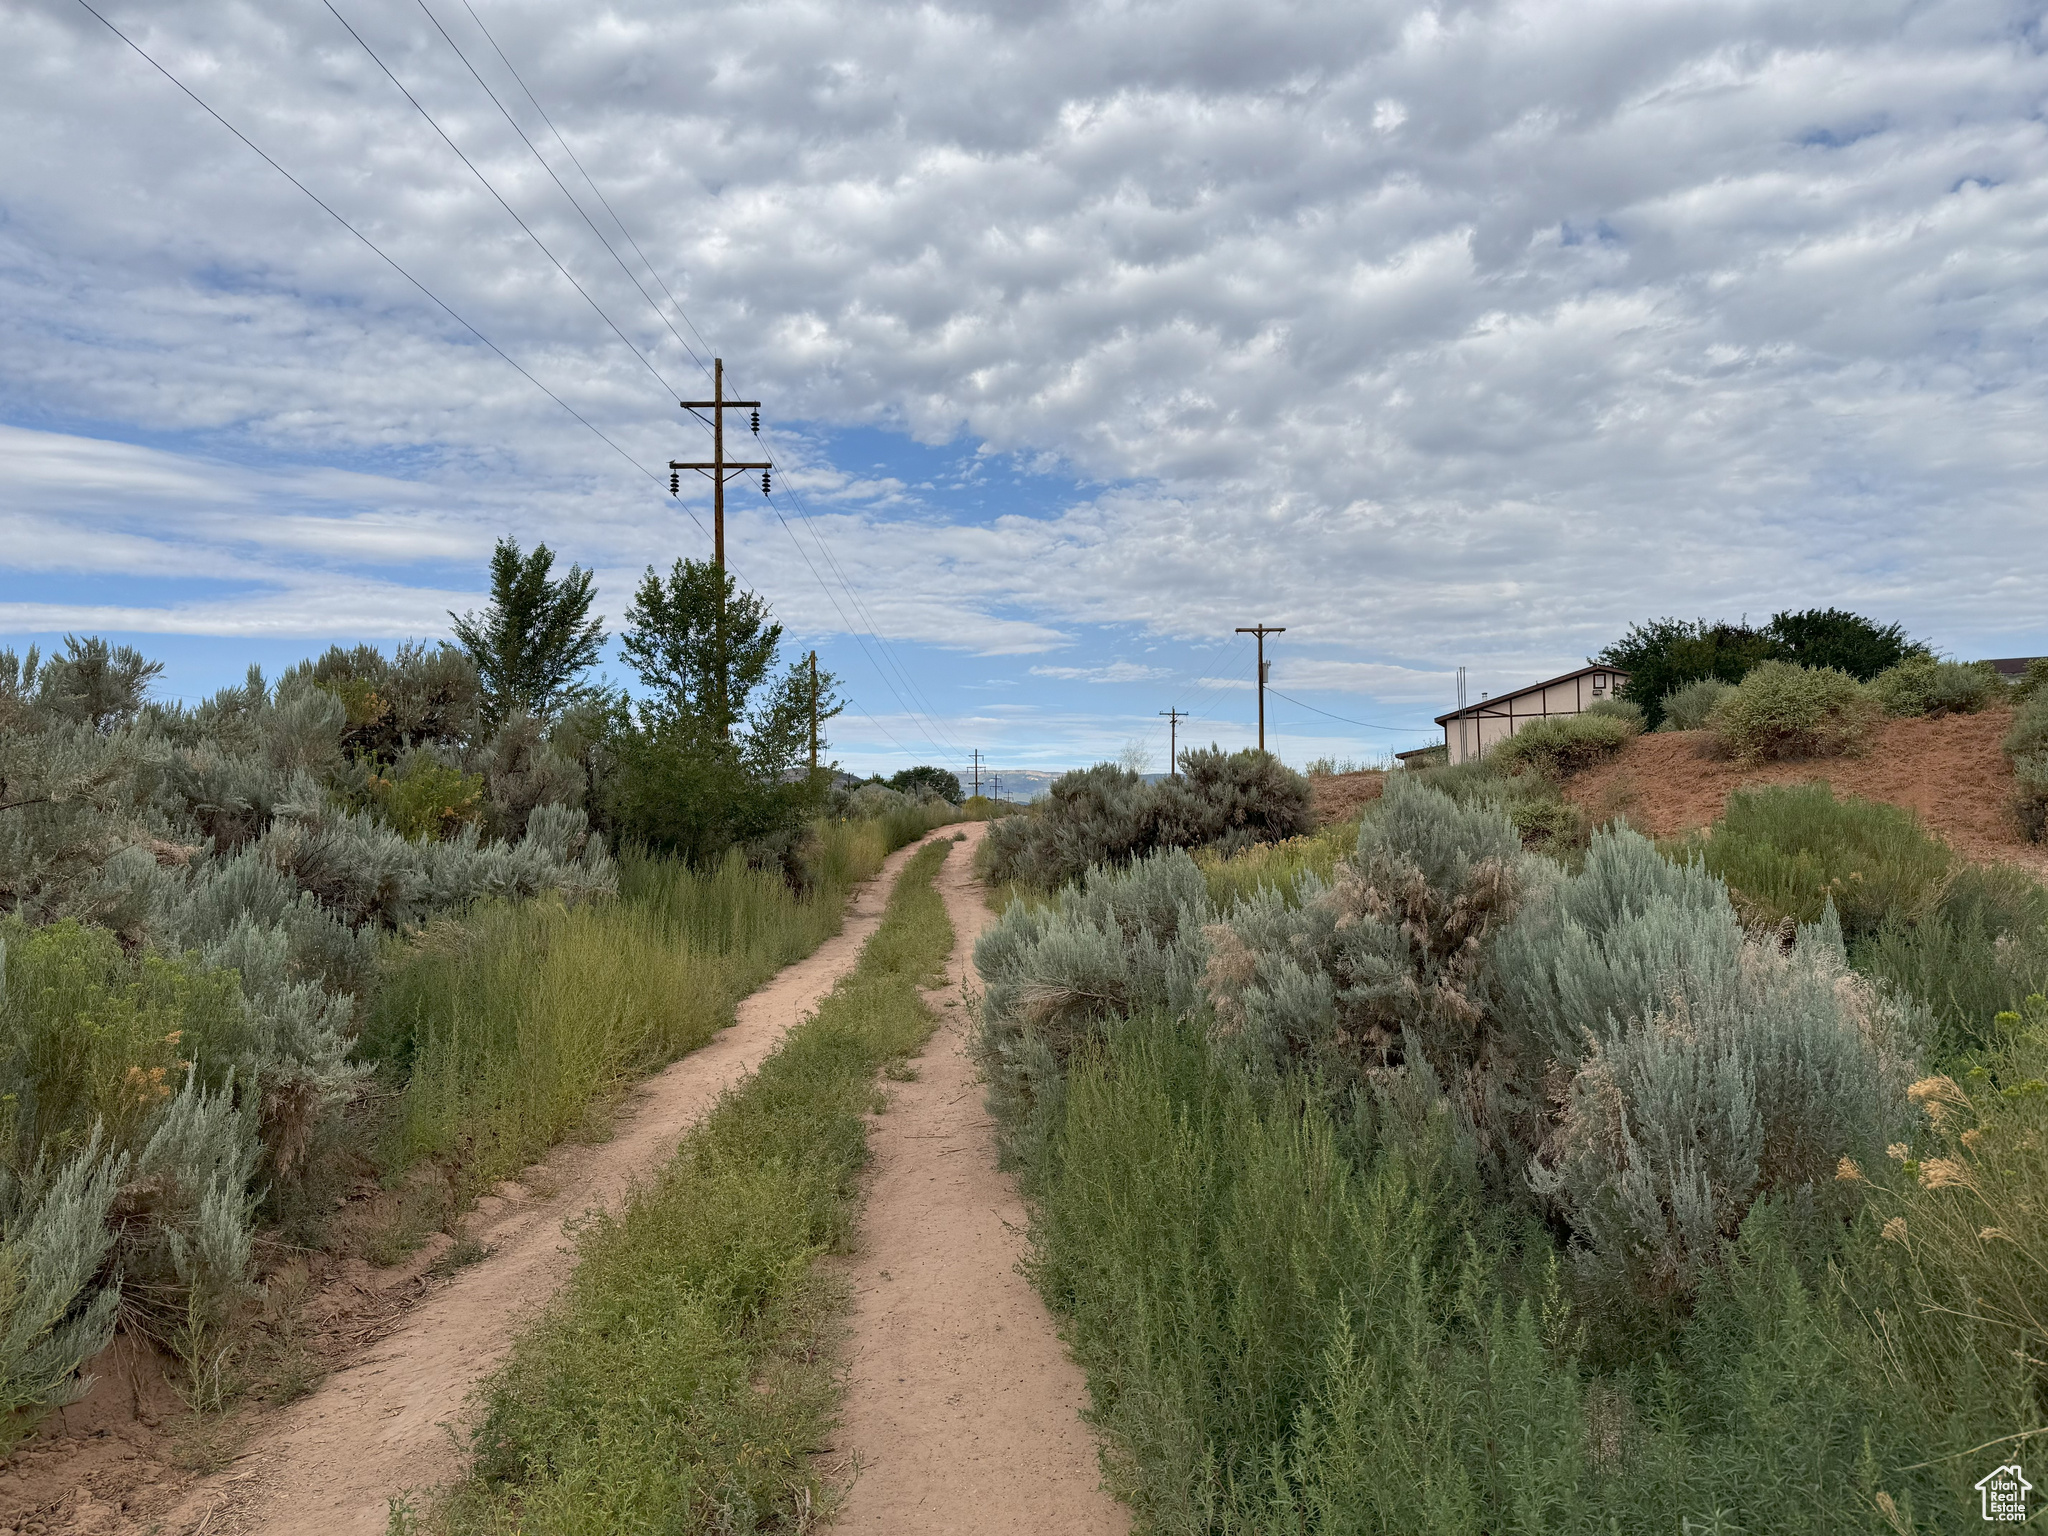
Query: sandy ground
962, 1408
1951, 772
329, 1464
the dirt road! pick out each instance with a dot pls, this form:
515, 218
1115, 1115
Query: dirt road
962, 1408
331, 1463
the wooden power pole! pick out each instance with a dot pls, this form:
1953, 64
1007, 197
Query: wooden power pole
977, 770
1174, 717
814, 714
720, 468
1262, 630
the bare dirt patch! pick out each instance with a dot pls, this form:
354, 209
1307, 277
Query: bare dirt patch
963, 1411
1950, 771
409, 1343
1339, 796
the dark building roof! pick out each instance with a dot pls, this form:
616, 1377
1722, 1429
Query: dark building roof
2013, 666
1493, 705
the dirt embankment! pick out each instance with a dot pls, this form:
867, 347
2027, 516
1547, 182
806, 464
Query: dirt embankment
1338, 796
1949, 771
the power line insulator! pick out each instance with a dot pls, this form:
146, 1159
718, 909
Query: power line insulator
764, 482
757, 423
675, 485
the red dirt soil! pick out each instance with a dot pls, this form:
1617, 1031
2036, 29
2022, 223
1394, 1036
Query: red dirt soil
1338, 796
1949, 771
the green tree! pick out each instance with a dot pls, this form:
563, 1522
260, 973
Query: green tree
1664, 654
1848, 642
699, 644
925, 776
718, 754
536, 639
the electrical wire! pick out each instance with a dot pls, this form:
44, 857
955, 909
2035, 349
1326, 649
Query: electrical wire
930, 724
1398, 730
383, 255
645, 362
928, 717
573, 203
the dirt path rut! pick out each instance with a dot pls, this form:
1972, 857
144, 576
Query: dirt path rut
962, 1408
386, 1424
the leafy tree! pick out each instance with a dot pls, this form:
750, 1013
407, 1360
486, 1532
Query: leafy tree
924, 776
718, 755
700, 644
1664, 654
536, 639
1848, 642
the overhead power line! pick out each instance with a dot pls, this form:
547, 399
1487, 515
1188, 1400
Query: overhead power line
645, 362
928, 718
1399, 730
382, 255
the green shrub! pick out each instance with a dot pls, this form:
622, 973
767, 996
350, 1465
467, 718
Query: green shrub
2026, 746
1921, 685
1620, 709
1110, 815
426, 800
1690, 706
2033, 681
57, 1307
1789, 850
1779, 710
1564, 746
1979, 953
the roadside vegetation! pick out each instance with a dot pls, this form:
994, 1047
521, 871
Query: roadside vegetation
318, 959
684, 1375
1469, 1169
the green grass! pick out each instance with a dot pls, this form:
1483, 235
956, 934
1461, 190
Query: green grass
684, 1374
516, 1026
1299, 1322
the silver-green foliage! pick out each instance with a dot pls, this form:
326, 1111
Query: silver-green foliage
1119, 943
1687, 706
56, 1312
1923, 685
1608, 1041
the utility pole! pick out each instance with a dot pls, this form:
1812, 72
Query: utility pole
720, 468
814, 714
998, 786
977, 770
1174, 717
1262, 630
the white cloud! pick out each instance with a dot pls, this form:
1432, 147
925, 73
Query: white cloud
1111, 672
1440, 335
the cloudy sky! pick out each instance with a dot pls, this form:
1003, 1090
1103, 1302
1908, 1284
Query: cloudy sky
1442, 335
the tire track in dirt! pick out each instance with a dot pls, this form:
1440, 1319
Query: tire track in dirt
389, 1423
963, 1411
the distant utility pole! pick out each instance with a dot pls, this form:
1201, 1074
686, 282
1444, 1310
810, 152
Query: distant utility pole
977, 770
1262, 630
998, 786
1174, 717
720, 468
814, 714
